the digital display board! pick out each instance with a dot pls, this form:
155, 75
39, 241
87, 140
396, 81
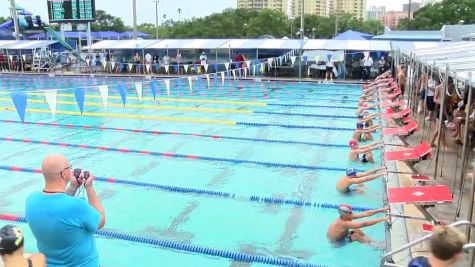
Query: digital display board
71, 10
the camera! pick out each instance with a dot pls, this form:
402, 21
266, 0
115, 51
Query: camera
77, 173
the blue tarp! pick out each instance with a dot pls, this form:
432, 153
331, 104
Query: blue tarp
106, 35
96, 35
353, 35
129, 35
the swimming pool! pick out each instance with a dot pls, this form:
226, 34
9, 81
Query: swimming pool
198, 173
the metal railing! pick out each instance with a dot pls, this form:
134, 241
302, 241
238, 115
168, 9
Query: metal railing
422, 239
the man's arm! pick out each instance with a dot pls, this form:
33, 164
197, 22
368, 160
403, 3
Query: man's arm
357, 225
366, 178
369, 213
362, 174
94, 200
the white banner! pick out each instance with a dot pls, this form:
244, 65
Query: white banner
226, 65
190, 83
24, 57
167, 67
131, 66
245, 72
206, 67
50, 96
112, 65
222, 77
148, 67
292, 59
317, 58
254, 70
104, 90
270, 61
234, 74
186, 68
308, 73
207, 79
104, 64
11, 57
167, 84
248, 63
138, 88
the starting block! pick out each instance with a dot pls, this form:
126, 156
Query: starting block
420, 152
405, 130
420, 195
397, 115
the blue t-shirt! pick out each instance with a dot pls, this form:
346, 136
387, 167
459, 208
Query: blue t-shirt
419, 262
64, 229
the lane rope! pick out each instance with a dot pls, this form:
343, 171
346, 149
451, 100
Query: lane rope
197, 191
213, 137
174, 155
236, 256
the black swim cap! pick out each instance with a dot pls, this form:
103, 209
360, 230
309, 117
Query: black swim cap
11, 239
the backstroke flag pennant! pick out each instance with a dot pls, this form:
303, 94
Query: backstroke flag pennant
167, 67
186, 68
167, 84
104, 91
226, 65
131, 66
190, 83
245, 72
112, 65
248, 63
292, 59
123, 93
317, 58
51, 96
253, 70
206, 67
19, 99
222, 77
80, 95
138, 88
148, 67
269, 61
207, 79
234, 74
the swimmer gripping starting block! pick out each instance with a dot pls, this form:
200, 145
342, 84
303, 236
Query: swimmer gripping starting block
389, 88
393, 104
391, 96
420, 195
405, 130
397, 115
417, 153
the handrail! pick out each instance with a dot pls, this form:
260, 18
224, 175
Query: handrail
422, 239
468, 246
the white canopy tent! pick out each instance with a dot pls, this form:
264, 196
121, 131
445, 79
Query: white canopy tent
25, 45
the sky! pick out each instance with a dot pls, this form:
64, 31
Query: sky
146, 8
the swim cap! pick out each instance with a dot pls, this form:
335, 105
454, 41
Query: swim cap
359, 126
344, 209
352, 143
11, 239
351, 172
360, 116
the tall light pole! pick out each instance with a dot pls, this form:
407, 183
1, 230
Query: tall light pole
15, 19
156, 18
179, 14
135, 18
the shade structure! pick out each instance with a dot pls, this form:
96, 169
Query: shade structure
25, 45
353, 35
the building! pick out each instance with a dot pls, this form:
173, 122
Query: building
429, 2
391, 19
281, 5
356, 8
414, 8
375, 12
311, 7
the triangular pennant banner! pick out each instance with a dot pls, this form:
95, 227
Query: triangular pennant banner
104, 64
131, 66
123, 93
317, 58
153, 89
226, 65
112, 65
207, 79
248, 63
269, 61
104, 91
167, 84
292, 59
308, 73
253, 70
24, 57
167, 67
51, 96
80, 95
234, 74
138, 88
245, 72
148, 67
11, 57
206, 67
186, 68
19, 99
190, 83
222, 77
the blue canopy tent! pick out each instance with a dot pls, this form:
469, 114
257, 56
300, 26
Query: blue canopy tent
130, 35
353, 35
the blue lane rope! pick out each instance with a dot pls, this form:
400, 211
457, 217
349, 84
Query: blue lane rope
308, 106
259, 124
305, 115
235, 256
196, 191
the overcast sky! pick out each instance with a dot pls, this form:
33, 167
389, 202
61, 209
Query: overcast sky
146, 8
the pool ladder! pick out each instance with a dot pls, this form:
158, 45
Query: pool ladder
384, 260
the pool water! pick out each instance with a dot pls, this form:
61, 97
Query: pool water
226, 128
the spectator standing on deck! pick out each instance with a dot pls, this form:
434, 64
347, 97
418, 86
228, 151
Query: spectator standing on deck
62, 224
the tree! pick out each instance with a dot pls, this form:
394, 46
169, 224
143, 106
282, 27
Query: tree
433, 17
3, 20
107, 22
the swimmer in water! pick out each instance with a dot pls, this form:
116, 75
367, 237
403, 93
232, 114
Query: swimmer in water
367, 156
347, 183
344, 229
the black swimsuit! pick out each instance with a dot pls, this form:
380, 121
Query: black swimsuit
30, 263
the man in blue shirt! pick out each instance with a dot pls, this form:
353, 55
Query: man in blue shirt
62, 224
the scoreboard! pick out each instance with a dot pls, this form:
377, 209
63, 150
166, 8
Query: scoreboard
71, 10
